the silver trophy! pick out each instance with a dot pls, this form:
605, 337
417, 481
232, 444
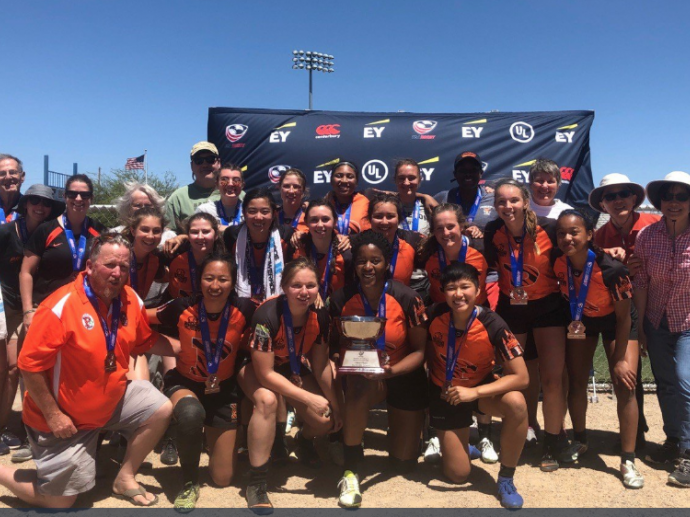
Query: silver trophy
361, 354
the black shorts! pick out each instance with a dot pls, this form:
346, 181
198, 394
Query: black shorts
13, 320
444, 416
221, 407
633, 322
541, 313
604, 325
286, 371
408, 392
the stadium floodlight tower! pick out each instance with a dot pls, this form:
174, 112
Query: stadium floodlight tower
312, 61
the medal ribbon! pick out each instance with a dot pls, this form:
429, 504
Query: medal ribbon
344, 218
295, 356
327, 270
213, 354
110, 333
77, 252
516, 263
295, 220
224, 219
577, 301
472, 212
461, 256
452, 353
133, 279
368, 311
23, 232
192, 272
415, 217
394, 258
255, 278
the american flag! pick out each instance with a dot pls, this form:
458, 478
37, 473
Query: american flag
135, 163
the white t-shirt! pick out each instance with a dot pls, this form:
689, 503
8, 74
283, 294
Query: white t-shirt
551, 211
211, 208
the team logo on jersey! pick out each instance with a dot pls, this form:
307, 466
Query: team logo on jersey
87, 321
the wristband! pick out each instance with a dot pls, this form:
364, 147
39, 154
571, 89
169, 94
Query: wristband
28, 312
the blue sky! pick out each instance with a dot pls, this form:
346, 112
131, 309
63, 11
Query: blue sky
98, 82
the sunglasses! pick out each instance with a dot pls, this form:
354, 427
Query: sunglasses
623, 194
74, 194
681, 197
234, 181
37, 200
208, 159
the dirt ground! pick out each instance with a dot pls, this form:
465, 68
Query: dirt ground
593, 482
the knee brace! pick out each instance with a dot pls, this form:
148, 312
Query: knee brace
189, 416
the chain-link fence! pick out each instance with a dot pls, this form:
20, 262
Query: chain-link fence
602, 377
105, 214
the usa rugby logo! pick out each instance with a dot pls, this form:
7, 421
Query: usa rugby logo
422, 128
275, 172
235, 132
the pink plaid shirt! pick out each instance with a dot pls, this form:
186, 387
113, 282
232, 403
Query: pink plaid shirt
665, 275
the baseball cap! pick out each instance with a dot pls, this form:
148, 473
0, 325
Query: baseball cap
203, 146
467, 155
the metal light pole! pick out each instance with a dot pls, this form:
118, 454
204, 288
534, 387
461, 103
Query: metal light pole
312, 61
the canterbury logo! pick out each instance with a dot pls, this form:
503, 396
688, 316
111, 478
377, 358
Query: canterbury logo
328, 129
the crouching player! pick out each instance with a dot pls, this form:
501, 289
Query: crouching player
464, 343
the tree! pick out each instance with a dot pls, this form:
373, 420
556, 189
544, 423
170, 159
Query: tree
112, 186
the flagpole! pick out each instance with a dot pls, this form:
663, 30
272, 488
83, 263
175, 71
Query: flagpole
146, 169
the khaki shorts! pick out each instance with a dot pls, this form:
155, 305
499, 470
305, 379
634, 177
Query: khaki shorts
67, 466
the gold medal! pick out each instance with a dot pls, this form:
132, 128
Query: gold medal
212, 385
110, 362
296, 380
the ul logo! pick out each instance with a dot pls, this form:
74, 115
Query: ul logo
521, 132
328, 129
375, 171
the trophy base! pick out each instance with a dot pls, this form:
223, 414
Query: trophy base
353, 370
360, 361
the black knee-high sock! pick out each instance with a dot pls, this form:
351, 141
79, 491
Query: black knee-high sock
484, 430
258, 475
506, 472
353, 455
188, 417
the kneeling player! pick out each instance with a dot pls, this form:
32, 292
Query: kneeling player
464, 343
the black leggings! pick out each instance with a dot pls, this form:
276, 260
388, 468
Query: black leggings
188, 425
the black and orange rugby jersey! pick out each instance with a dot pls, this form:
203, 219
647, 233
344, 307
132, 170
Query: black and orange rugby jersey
152, 269
404, 309
183, 313
538, 278
268, 334
488, 339
180, 284
609, 284
340, 270
408, 241
359, 214
49, 242
433, 271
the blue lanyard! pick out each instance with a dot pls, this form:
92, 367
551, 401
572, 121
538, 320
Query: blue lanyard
295, 356
133, 280
516, 263
577, 301
461, 256
192, 272
394, 258
224, 220
415, 217
77, 252
472, 212
344, 218
368, 311
452, 353
23, 232
110, 333
327, 270
255, 279
295, 220
213, 354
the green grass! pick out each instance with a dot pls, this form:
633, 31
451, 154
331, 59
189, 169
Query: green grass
601, 368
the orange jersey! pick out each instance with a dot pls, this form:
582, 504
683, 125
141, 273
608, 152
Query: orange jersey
609, 284
180, 285
404, 309
538, 278
359, 215
338, 272
152, 269
608, 236
269, 331
301, 226
66, 341
404, 264
488, 338
183, 313
433, 271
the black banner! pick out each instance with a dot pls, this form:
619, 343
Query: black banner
266, 142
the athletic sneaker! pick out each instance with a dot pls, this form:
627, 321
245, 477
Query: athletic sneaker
667, 453
474, 453
291, 417
631, 476
187, 498
4, 449
432, 454
336, 451
305, 453
257, 499
350, 496
10, 439
681, 476
531, 439
169, 452
508, 494
548, 463
23, 453
488, 452
580, 448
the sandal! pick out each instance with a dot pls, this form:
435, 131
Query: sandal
130, 494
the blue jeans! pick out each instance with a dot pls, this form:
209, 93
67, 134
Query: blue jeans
669, 354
